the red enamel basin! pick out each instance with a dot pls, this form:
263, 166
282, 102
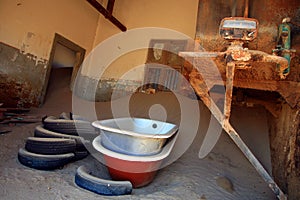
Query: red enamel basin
139, 170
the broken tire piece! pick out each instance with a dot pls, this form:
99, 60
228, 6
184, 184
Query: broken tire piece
50, 146
40, 131
71, 127
44, 162
84, 179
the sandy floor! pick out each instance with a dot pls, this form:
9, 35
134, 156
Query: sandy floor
223, 174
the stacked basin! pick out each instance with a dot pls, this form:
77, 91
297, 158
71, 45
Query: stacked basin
134, 148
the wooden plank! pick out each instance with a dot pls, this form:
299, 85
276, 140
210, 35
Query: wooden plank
229, 89
107, 14
289, 90
201, 89
110, 6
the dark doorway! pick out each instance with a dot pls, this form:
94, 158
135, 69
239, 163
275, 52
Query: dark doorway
64, 63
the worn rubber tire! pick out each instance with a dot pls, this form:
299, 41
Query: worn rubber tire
71, 127
44, 162
80, 155
40, 131
50, 146
84, 179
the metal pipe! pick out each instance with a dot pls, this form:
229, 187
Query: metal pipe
200, 54
283, 47
246, 11
233, 10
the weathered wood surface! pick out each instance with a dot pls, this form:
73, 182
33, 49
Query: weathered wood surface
201, 89
262, 75
202, 76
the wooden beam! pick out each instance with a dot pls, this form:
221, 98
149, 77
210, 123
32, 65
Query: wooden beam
110, 6
289, 90
229, 89
107, 13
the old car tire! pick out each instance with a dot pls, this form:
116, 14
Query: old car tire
50, 146
80, 155
86, 180
71, 127
44, 162
40, 131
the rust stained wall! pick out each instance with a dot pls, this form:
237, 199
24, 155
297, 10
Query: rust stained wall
285, 145
21, 77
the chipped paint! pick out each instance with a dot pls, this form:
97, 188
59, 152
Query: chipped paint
21, 77
36, 47
105, 89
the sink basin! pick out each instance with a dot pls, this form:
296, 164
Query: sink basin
134, 136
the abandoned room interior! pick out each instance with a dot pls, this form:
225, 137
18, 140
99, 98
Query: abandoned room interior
140, 99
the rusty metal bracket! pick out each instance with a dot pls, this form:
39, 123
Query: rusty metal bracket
107, 13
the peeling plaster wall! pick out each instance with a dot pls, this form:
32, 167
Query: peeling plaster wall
27, 31
20, 77
104, 89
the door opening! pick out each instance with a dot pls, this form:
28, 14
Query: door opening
64, 63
